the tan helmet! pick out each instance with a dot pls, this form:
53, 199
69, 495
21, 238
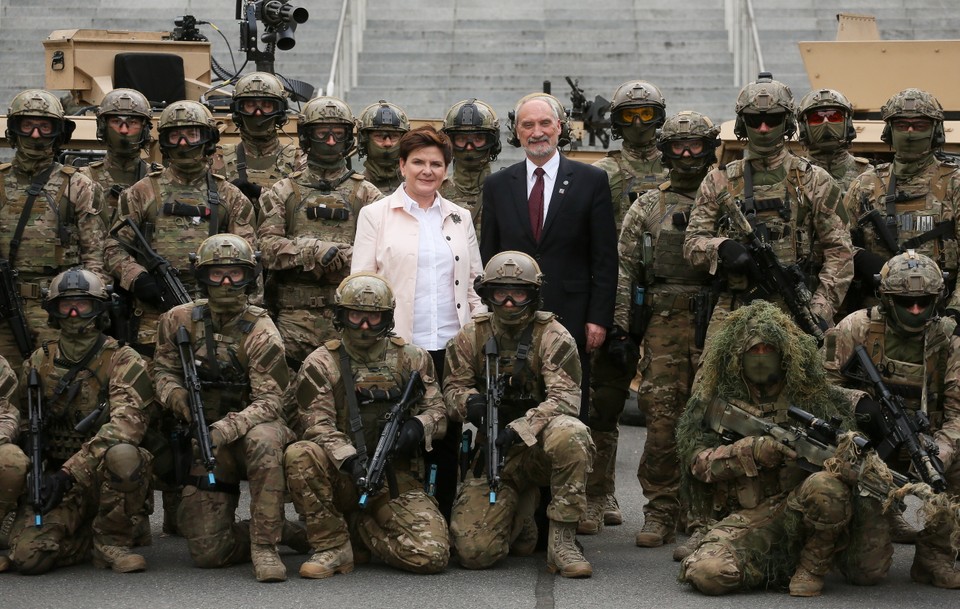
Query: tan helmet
77, 283
325, 110
689, 125
765, 95
636, 94
188, 113
821, 99
42, 104
225, 249
381, 116
259, 85
557, 106
913, 103
474, 116
125, 102
363, 292
509, 273
910, 275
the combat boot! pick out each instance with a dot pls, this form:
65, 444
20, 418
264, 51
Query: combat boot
266, 563
563, 555
612, 516
655, 533
118, 558
326, 563
814, 563
900, 529
591, 523
687, 548
932, 565
805, 583
294, 536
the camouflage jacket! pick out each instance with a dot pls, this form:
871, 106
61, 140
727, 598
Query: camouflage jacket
844, 167
631, 172
65, 228
321, 395
116, 376
813, 233
9, 413
114, 178
264, 166
549, 386
247, 388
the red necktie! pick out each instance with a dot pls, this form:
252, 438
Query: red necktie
535, 204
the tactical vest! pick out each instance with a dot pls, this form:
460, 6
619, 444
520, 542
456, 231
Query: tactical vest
669, 265
263, 171
637, 179
918, 206
50, 240
112, 186
224, 379
67, 405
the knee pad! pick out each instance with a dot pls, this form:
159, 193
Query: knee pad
13, 475
35, 557
124, 468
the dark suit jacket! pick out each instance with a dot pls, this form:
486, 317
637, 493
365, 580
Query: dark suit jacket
577, 251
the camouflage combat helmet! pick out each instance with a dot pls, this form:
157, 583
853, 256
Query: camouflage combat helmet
513, 276
908, 278
125, 102
225, 250
636, 94
188, 113
381, 116
40, 104
364, 292
765, 95
913, 103
325, 111
473, 116
824, 99
557, 106
76, 283
688, 125
259, 85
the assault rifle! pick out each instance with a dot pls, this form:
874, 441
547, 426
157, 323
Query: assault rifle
35, 413
166, 275
11, 309
885, 233
377, 468
903, 429
591, 113
775, 278
495, 460
191, 381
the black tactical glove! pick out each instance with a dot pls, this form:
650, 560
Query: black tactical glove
250, 190
870, 420
866, 265
53, 488
476, 409
622, 349
411, 435
146, 288
507, 438
352, 468
734, 256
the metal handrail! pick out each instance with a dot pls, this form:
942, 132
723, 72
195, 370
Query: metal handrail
346, 49
743, 40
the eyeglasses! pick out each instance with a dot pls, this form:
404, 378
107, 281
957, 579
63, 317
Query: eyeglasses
770, 119
819, 117
265, 106
477, 139
645, 113
26, 126
694, 147
517, 296
322, 133
917, 124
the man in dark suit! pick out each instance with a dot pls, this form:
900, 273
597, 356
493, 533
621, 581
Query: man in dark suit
563, 217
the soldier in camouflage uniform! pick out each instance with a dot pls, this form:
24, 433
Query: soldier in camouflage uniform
918, 353
916, 196
637, 110
344, 391
541, 440
123, 125
243, 375
825, 126
175, 209
474, 131
670, 290
308, 225
259, 110
62, 225
798, 203
13, 462
380, 127
95, 395
778, 523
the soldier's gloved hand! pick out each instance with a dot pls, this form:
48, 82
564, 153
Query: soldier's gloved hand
333, 257
352, 467
217, 437
622, 349
865, 266
734, 256
507, 438
870, 421
180, 404
146, 288
53, 488
250, 190
769, 453
476, 409
411, 436
945, 452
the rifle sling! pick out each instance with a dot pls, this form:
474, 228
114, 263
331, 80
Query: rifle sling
356, 424
213, 198
212, 362
241, 162
33, 191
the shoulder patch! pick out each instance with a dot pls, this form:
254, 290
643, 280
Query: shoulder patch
256, 311
217, 176
6, 166
483, 317
332, 344
543, 317
357, 176
68, 169
96, 163
295, 174
665, 186
613, 154
398, 341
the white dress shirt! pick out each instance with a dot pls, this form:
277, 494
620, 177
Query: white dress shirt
550, 169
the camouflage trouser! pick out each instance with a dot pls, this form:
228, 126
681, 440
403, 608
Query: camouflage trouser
762, 546
407, 532
37, 322
14, 465
609, 389
669, 363
105, 511
206, 517
303, 330
561, 459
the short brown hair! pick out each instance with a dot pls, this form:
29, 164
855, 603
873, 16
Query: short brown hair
424, 137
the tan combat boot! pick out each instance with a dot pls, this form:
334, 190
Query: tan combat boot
814, 563
935, 566
655, 533
563, 555
805, 583
612, 516
687, 548
267, 565
118, 558
328, 562
591, 523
